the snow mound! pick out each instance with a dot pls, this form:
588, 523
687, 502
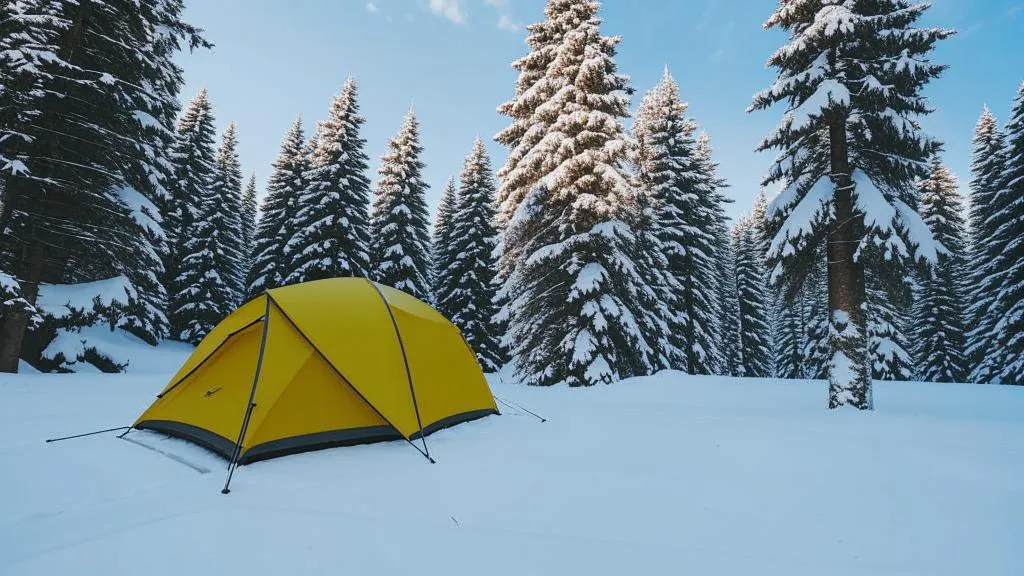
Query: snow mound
60, 300
670, 474
125, 350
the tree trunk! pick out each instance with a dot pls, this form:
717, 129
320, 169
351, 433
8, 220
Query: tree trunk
12, 330
849, 372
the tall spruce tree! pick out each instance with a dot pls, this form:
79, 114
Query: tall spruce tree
400, 251
227, 216
575, 311
712, 206
754, 332
278, 216
938, 310
250, 213
203, 290
442, 246
333, 236
85, 126
788, 344
679, 181
471, 290
1010, 331
988, 226
851, 74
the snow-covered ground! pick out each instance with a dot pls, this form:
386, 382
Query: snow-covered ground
662, 475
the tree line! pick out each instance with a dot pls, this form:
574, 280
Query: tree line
595, 252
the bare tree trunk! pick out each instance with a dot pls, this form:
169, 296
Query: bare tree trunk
849, 372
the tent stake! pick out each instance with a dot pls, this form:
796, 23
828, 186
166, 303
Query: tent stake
89, 434
252, 397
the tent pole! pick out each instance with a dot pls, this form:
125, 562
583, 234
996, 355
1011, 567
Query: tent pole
408, 372
252, 397
89, 434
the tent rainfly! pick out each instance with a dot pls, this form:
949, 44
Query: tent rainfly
321, 364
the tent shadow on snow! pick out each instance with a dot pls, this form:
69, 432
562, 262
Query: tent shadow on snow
322, 364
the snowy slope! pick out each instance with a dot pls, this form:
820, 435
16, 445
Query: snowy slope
662, 475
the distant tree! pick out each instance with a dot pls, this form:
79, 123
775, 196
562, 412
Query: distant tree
938, 313
332, 229
205, 288
442, 246
400, 253
278, 218
754, 333
248, 222
470, 289
227, 188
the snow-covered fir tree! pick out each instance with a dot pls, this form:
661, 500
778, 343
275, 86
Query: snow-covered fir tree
817, 346
250, 213
574, 293
99, 218
441, 247
400, 250
680, 181
851, 75
1010, 331
204, 289
276, 226
227, 190
987, 226
470, 289
754, 331
652, 266
887, 328
712, 205
938, 311
727, 338
788, 342
333, 236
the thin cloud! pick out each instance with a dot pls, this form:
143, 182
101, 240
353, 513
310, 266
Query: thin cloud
705, 17
450, 9
372, 8
1014, 10
505, 23
503, 8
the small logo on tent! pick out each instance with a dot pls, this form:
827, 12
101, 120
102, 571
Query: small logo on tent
209, 393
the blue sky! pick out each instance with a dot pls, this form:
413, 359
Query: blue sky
275, 59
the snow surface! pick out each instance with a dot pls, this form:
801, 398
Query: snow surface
57, 300
669, 474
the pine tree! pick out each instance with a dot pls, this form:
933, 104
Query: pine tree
470, 286
817, 346
888, 346
677, 178
227, 190
711, 205
278, 216
851, 75
938, 310
441, 246
72, 80
727, 306
400, 252
204, 288
333, 236
575, 311
248, 230
987, 224
1009, 211
755, 343
789, 340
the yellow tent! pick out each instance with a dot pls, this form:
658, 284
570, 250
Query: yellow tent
325, 363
